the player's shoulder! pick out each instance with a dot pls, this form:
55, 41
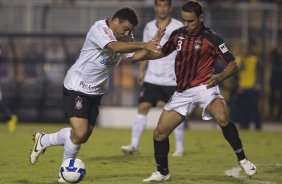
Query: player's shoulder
98, 26
212, 36
179, 31
99, 23
176, 22
151, 23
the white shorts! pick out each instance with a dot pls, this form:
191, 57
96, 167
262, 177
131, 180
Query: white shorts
185, 102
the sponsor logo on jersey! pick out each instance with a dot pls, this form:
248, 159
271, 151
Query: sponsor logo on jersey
106, 31
181, 38
108, 63
109, 58
88, 87
223, 48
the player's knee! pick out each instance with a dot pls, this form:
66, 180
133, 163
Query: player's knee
80, 137
222, 119
160, 135
143, 108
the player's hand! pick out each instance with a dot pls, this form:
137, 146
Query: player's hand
153, 45
213, 80
159, 34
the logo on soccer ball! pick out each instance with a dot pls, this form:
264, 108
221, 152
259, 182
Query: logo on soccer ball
78, 103
72, 170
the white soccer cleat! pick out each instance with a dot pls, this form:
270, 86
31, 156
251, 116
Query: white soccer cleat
129, 150
37, 148
157, 176
249, 168
178, 153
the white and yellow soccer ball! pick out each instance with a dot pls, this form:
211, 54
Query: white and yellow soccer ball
73, 170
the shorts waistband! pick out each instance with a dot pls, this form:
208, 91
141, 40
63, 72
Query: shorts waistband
197, 88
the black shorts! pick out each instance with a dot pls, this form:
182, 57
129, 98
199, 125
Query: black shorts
153, 93
78, 104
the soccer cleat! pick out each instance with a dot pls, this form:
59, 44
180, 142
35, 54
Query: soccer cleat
157, 176
12, 123
129, 150
178, 153
37, 148
249, 168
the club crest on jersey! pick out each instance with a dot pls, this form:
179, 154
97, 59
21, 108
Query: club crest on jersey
197, 45
78, 102
223, 48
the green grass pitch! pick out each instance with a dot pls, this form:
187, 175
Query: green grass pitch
207, 157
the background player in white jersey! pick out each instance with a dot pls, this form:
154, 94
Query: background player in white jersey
86, 81
158, 82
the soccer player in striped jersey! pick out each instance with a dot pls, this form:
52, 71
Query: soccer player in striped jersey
158, 82
197, 48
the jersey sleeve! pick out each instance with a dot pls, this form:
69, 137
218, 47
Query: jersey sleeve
170, 45
221, 49
101, 35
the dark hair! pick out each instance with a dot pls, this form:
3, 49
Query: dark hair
193, 6
127, 13
169, 1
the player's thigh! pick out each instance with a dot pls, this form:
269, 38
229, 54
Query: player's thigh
218, 110
80, 127
168, 121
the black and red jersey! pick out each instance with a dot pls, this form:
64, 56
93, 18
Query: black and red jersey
196, 55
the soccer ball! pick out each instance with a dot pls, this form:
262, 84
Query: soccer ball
73, 170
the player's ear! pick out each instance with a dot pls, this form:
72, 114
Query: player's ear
201, 18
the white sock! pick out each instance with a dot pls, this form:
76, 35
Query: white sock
179, 137
137, 129
70, 149
55, 139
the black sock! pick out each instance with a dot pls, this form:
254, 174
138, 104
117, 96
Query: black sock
161, 152
231, 134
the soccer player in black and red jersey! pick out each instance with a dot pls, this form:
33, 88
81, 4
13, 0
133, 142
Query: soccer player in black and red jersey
197, 48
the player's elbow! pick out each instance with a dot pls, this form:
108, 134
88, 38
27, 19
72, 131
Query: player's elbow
113, 46
236, 66
132, 60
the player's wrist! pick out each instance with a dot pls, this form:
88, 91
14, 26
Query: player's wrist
217, 78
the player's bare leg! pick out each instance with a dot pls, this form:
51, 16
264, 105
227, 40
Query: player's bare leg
217, 109
167, 123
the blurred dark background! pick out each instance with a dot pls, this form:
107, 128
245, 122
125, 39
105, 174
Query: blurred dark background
40, 39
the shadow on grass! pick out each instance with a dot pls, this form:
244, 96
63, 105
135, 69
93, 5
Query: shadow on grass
138, 177
37, 182
118, 158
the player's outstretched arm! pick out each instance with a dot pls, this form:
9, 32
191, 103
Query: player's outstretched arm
128, 47
149, 54
145, 55
229, 70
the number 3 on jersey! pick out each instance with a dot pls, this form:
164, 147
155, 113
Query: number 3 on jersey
179, 45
